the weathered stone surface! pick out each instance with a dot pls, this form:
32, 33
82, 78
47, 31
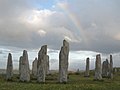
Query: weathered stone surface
98, 69
111, 67
87, 68
34, 67
63, 62
41, 64
47, 65
24, 68
105, 68
20, 63
9, 71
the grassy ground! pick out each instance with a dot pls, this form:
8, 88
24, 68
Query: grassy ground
76, 82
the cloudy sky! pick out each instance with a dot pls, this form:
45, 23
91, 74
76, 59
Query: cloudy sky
90, 26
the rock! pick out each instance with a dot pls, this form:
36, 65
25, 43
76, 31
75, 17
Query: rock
98, 69
87, 68
63, 62
41, 64
20, 63
105, 69
111, 67
9, 71
24, 68
47, 65
77, 72
34, 67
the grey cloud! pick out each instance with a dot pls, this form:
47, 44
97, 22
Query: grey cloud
12, 8
99, 20
52, 51
1, 52
106, 18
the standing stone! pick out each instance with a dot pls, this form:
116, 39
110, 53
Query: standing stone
41, 64
98, 69
114, 70
78, 72
20, 63
9, 71
47, 65
105, 68
111, 67
87, 68
24, 68
34, 67
63, 62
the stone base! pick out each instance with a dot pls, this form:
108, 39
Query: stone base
98, 80
86, 76
9, 79
63, 82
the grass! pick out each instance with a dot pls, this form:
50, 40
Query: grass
75, 82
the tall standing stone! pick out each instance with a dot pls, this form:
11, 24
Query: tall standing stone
63, 62
34, 67
41, 64
98, 69
111, 67
25, 70
20, 63
105, 68
9, 71
87, 68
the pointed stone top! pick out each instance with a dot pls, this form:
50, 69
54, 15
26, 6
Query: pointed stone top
44, 46
65, 43
36, 58
104, 61
107, 60
98, 55
64, 40
111, 55
88, 58
43, 50
10, 54
24, 52
21, 57
111, 61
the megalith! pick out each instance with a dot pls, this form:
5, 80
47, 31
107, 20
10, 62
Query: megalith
41, 64
63, 62
111, 67
105, 68
9, 70
20, 63
98, 68
34, 67
87, 68
24, 68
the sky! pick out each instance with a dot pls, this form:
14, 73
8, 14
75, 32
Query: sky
90, 27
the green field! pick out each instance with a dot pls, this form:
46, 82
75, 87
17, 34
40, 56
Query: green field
75, 82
